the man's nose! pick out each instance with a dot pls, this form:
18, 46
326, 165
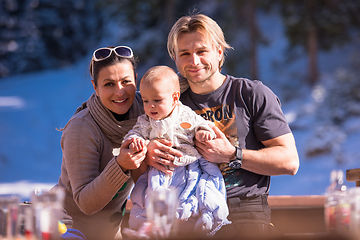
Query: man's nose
195, 59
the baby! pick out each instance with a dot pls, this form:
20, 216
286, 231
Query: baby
166, 117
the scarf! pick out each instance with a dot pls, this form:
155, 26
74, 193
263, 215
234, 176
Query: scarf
113, 129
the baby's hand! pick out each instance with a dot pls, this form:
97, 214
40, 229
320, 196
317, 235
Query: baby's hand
137, 145
203, 135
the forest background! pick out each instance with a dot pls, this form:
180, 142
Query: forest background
306, 51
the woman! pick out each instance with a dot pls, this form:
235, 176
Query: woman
95, 170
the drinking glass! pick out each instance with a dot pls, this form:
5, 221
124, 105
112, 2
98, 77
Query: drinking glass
161, 207
9, 205
47, 208
354, 198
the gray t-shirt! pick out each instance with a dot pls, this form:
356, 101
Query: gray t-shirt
247, 112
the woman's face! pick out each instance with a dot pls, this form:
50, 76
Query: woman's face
116, 87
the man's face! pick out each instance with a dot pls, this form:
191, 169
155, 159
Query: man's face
196, 57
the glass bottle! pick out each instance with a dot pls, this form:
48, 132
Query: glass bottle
337, 205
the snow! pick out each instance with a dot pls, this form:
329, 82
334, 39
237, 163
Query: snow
33, 106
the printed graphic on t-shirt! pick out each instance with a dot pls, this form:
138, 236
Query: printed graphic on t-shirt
223, 116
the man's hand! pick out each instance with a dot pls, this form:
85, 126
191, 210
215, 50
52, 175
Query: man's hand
160, 153
218, 150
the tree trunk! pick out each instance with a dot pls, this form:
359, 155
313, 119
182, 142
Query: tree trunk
253, 38
312, 45
170, 20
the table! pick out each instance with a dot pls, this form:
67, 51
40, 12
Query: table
353, 175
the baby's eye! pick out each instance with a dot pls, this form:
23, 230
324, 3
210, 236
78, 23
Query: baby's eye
158, 100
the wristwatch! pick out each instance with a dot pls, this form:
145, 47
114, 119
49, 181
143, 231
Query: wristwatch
237, 162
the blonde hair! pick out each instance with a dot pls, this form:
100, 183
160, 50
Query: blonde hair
159, 73
192, 23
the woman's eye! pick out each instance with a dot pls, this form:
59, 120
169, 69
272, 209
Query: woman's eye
109, 84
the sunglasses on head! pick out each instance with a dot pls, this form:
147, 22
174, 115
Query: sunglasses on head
104, 53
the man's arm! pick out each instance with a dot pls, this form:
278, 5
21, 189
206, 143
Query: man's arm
279, 156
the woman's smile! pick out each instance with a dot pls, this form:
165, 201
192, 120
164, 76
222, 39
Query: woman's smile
116, 87
120, 101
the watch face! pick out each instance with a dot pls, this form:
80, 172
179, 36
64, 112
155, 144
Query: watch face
235, 164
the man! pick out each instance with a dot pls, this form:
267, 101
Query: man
255, 141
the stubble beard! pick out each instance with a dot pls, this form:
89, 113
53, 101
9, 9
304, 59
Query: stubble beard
201, 83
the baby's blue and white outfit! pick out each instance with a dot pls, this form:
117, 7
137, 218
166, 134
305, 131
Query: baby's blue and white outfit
199, 183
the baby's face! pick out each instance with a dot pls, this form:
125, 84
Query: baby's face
158, 99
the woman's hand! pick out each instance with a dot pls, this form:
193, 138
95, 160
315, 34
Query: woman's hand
218, 150
129, 158
161, 154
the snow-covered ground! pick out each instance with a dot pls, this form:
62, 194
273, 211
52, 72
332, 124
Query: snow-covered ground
33, 106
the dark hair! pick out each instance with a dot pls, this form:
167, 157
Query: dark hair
96, 66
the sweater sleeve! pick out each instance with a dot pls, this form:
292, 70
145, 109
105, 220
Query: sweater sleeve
93, 185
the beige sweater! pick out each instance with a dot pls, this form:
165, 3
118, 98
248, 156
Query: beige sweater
92, 178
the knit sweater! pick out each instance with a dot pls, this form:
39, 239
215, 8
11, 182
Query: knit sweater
96, 188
